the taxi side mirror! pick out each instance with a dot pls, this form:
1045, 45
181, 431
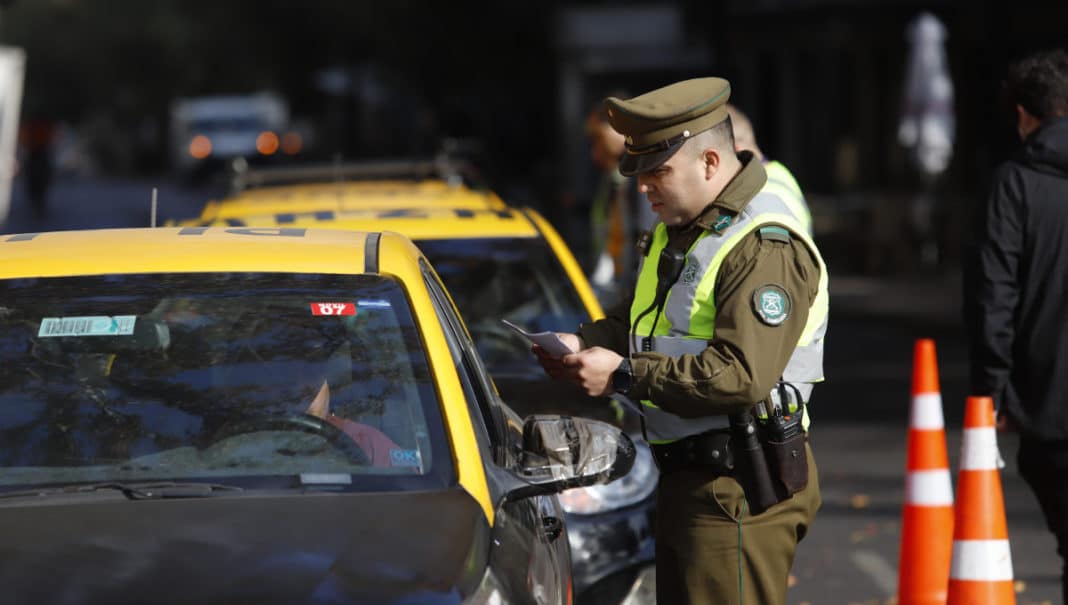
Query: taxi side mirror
561, 452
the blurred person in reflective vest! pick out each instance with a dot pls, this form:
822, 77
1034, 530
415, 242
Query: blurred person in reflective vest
618, 213
780, 180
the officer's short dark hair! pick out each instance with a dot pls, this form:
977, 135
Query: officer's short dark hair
721, 136
1039, 84
724, 131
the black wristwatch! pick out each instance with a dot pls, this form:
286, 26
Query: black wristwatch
622, 377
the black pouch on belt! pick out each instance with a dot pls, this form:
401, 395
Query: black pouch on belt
784, 445
710, 450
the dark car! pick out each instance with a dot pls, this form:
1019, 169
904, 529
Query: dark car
233, 415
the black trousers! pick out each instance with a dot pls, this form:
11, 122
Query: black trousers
1044, 466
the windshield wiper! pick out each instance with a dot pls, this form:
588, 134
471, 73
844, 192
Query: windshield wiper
133, 491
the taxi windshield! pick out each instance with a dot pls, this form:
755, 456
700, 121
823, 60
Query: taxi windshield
518, 279
262, 379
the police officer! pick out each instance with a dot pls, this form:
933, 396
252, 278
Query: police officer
729, 310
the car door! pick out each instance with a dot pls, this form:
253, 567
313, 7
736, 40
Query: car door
530, 551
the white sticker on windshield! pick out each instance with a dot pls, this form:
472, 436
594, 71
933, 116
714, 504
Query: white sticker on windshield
94, 325
325, 479
374, 304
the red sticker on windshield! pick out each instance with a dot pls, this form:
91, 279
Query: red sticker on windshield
333, 308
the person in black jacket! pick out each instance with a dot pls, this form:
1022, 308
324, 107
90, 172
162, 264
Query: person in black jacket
1016, 293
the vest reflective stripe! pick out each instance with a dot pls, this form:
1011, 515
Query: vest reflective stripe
782, 183
688, 320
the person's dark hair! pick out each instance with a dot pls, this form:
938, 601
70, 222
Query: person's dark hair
1039, 84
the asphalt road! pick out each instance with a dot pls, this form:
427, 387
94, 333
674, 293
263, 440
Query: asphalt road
860, 415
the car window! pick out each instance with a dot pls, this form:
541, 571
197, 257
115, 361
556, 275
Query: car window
225, 123
253, 376
518, 279
485, 413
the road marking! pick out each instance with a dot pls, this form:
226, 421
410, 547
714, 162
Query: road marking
880, 572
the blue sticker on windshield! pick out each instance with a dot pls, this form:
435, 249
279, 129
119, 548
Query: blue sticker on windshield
92, 325
373, 304
399, 457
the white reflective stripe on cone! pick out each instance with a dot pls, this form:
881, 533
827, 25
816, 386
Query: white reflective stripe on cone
929, 488
979, 450
926, 412
982, 560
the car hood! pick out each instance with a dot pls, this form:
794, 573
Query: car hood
415, 547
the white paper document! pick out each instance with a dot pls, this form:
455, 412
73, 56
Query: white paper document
547, 340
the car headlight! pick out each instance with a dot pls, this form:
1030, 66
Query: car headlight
489, 591
629, 489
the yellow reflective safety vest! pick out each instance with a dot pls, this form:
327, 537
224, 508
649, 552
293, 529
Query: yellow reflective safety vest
687, 322
782, 183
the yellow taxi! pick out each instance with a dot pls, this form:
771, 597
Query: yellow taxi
268, 415
499, 262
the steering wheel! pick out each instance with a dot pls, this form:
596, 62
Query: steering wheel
304, 423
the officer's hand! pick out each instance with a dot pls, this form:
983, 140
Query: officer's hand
592, 369
1004, 424
553, 366
572, 341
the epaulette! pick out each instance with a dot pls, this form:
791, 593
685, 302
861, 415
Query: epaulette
775, 234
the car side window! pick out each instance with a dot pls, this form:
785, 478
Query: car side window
472, 372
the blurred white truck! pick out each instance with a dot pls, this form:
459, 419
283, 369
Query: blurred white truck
213, 130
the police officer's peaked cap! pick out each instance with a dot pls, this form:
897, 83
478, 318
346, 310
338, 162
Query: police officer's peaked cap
657, 123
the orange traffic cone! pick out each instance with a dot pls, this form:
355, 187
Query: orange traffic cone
981, 573
927, 519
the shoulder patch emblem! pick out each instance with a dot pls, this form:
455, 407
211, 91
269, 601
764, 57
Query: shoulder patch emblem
772, 304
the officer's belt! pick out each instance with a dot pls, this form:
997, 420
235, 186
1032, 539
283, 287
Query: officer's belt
708, 451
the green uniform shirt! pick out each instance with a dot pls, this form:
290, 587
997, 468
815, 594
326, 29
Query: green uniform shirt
746, 356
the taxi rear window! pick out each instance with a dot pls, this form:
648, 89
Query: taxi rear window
518, 279
261, 378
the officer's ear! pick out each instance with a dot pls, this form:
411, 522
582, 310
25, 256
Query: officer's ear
711, 159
